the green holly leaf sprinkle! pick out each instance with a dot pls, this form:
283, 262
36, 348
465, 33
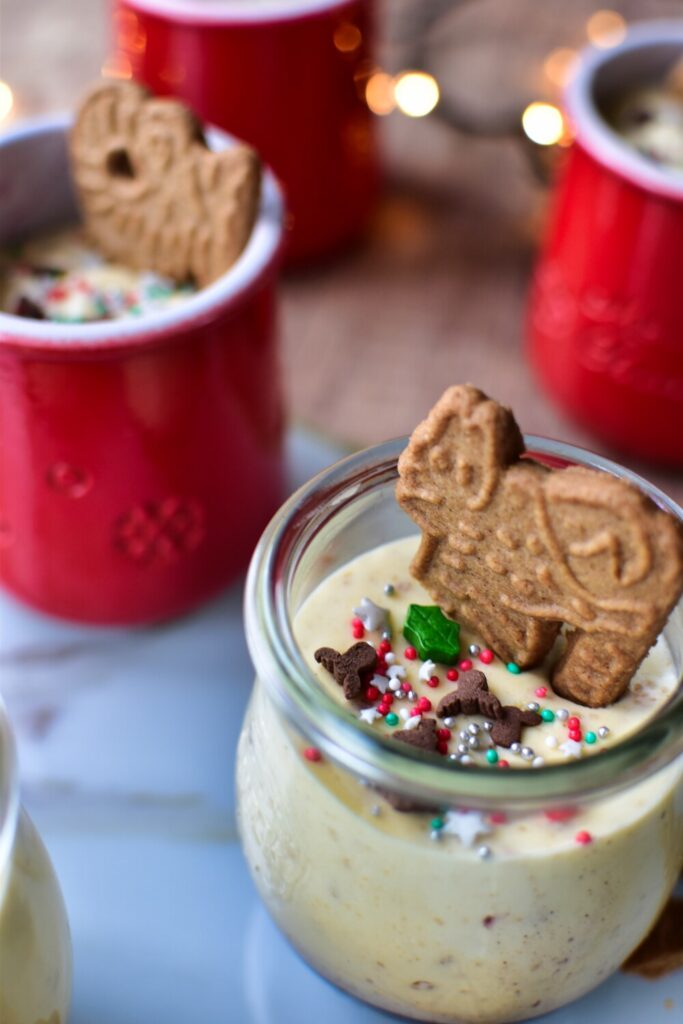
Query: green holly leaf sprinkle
433, 635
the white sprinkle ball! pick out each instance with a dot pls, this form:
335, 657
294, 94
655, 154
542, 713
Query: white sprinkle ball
390, 658
484, 852
394, 685
537, 762
551, 741
466, 759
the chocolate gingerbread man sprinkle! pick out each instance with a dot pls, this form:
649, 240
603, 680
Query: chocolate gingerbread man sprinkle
349, 668
507, 729
471, 696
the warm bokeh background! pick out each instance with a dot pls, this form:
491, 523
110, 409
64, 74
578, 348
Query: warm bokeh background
436, 294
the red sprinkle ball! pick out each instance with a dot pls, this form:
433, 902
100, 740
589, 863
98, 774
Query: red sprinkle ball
358, 629
486, 656
573, 723
383, 647
452, 674
584, 838
443, 734
406, 686
415, 711
503, 763
560, 814
372, 693
541, 691
433, 681
312, 754
465, 665
410, 653
424, 704
498, 817
442, 746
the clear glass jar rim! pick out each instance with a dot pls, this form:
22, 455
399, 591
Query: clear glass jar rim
355, 746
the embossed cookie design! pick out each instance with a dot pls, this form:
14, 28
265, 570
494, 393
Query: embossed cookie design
153, 195
515, 550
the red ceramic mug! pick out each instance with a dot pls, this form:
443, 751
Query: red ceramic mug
606, 310
287, 76
139, 459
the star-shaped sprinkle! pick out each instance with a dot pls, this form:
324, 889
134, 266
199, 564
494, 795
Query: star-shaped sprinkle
427, 670
372, 615
571, 748
369, 715
465, 826
381, 682
396, 672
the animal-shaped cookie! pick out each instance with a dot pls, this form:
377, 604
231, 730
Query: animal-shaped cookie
348, 669
153, 196
470, 696
515, 550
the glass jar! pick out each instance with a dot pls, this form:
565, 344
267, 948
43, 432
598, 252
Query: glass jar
438, 931
35, 948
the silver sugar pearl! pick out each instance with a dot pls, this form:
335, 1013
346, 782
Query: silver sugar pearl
454, 757
400, 695
375, 810
603, 731
516, 748
562, 715
488, 725
527, 753
389, 589
473, 729
462, 748
484, 852
463, 735
475, 650
466, 759
449, 722
533, 705
473, 742
412, 695
386, 634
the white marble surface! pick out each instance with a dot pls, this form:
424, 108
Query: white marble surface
126, 742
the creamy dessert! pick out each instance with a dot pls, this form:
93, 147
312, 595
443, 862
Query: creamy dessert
35, 949
417, 911
61, 277
477, 903
651, 121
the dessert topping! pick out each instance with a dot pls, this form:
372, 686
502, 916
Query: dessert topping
348, 668
433, 635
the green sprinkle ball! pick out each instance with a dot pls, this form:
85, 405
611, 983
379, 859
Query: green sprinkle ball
391, 719
492, 756
436, 824
590, 737
547, 715
514, 668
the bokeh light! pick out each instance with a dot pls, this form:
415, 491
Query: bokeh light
543, 123
605, 29
560, 65
6, 100
347, 37
416, 93
379, 93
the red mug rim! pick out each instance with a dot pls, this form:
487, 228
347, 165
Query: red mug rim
260, 255
592, 131
242, 12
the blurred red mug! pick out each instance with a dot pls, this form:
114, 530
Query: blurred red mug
140, 459
289, 77
606, 311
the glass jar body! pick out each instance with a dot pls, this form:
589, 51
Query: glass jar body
428, 929
35, 947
